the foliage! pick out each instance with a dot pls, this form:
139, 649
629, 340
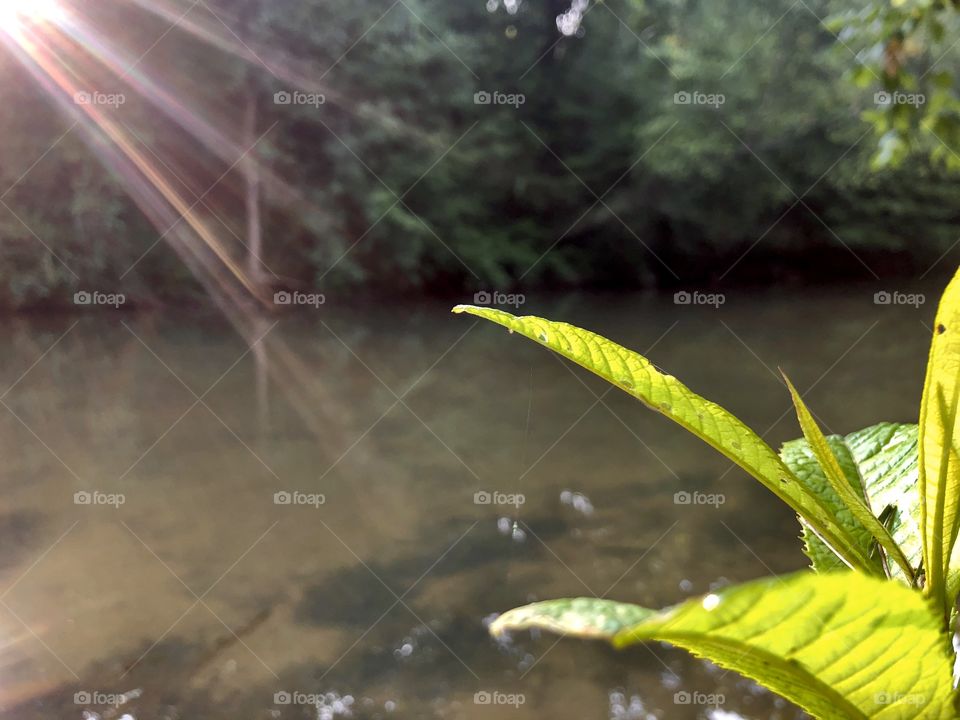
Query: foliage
872, 641
841, 646
906, 53
599, 177
882, 462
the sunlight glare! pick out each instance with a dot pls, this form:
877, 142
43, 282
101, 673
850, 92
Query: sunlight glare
14, 13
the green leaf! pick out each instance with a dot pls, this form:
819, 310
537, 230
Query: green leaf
799, 457
714, 425
842, 646
846, 485
590, 618
885, 457
879, 461
939, 464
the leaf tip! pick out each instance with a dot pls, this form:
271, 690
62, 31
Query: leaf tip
520, 618
790, 385
499, 627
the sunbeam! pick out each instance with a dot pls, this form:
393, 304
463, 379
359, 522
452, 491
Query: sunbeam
15, 12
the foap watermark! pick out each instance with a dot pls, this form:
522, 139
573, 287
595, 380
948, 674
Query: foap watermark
494, 697
95, 697
103, 99
884, 698
299, 98
696, 297
699, 498
695, 97
95, 297
295, 497
295, 697
315, 300
885, 99
898, 298
484, 297
698, 698
95, 497
496, 97
483, 497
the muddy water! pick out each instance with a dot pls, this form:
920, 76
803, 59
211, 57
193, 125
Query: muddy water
149, 567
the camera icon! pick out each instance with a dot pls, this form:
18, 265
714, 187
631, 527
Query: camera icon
482, 698
82, 298
682, 698
681, 98
482, 98
282, 697
282, 297
682, 298
282, 498
282, 98
882, 97
882, 298
482, 497
82, 98
82, 497
482, 298
682, 498
82, 698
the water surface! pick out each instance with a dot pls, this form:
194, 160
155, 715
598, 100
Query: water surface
201, 597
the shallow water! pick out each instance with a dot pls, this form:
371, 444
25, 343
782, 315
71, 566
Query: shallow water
206, 599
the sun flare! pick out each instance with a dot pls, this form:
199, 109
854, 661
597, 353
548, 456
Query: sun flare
14, 13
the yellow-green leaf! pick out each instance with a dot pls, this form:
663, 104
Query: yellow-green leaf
799, 457
713, 424
842, 646
855, 503
939, 464
882, 459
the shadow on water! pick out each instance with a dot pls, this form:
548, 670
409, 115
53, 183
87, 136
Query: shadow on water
21, 533
414, 661
348, 596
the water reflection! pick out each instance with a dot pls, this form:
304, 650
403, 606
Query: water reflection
207, 598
